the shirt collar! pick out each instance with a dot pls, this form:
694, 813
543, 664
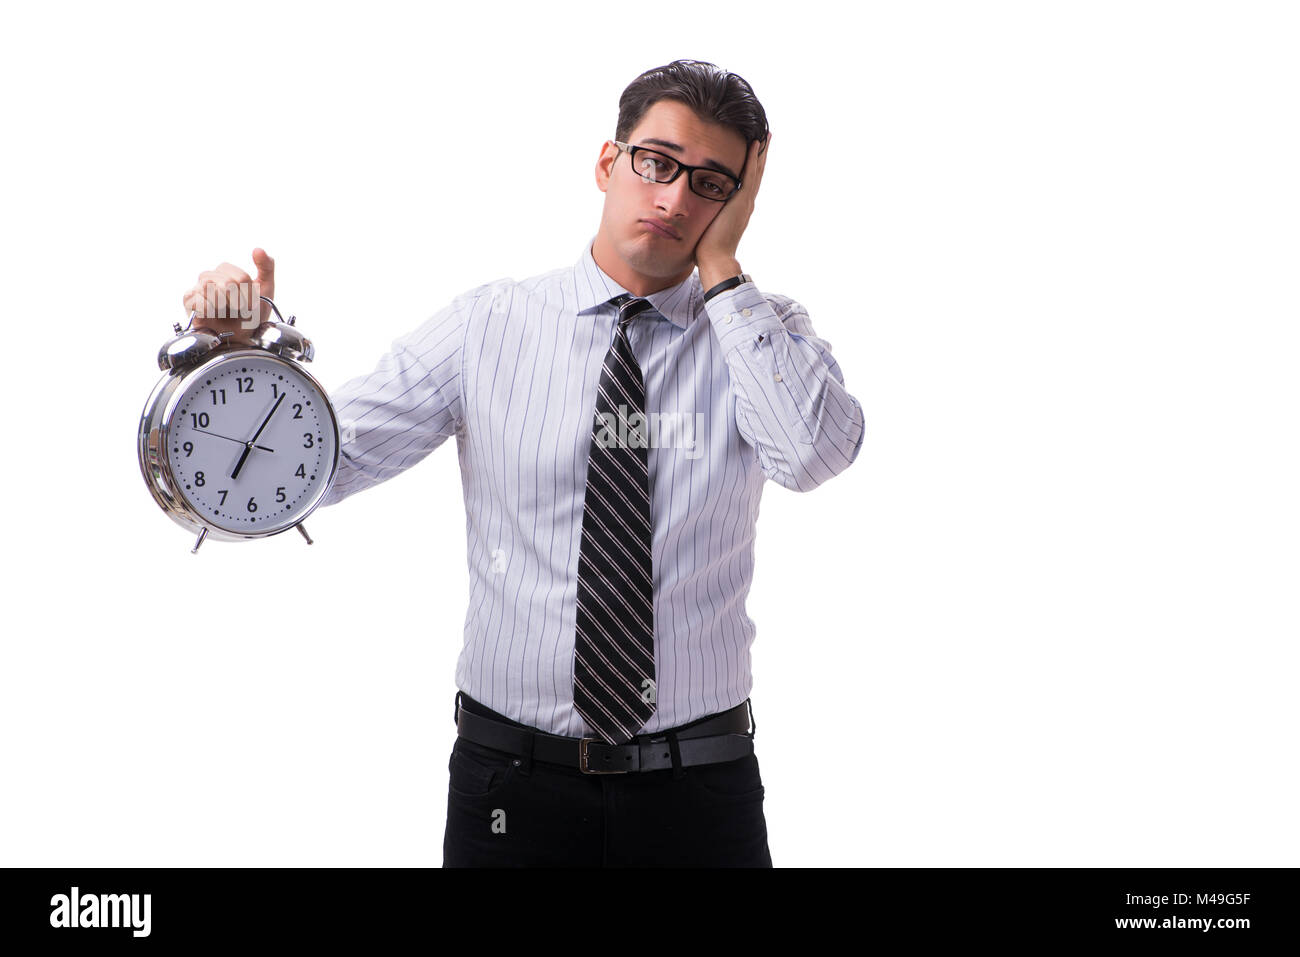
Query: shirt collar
593, 288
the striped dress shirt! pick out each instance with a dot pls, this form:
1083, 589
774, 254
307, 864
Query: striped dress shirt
738, 390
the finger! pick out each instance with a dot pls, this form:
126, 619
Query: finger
202, 300
265, 265
747, 168
220, 292
248, 290
265, 277
222, 282
234, 272
754, 167
750, 164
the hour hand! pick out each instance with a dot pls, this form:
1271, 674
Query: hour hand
243, 457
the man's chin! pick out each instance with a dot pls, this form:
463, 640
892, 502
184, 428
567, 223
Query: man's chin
648, 261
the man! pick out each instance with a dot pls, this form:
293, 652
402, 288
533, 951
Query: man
603, 718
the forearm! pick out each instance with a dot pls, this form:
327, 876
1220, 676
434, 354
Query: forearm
410, 404
791, 402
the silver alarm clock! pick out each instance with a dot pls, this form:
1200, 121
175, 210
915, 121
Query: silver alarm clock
238, 440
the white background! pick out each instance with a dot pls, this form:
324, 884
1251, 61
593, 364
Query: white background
1047, 618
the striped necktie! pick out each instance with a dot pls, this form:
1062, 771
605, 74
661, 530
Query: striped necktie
614, 656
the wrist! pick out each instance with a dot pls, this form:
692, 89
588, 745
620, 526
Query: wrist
726, 285
715, 271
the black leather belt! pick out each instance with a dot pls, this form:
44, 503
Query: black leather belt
721, 737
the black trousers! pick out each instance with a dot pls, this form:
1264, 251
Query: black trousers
504, 811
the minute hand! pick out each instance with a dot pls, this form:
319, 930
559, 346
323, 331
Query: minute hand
248, 446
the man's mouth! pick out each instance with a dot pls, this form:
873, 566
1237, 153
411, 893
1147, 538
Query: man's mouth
661, 229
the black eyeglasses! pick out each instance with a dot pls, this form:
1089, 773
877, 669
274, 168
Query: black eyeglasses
655, 167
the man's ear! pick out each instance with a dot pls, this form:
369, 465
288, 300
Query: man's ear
605, 165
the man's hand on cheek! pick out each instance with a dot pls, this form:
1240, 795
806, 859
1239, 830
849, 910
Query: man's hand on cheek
715, 253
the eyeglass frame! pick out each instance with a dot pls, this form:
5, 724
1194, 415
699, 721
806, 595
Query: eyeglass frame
630, 150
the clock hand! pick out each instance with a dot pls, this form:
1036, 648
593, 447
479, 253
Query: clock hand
267, 419
248, 446
234, 473
219, 435
231, 438
244, 454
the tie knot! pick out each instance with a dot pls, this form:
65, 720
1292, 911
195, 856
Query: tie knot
630, 306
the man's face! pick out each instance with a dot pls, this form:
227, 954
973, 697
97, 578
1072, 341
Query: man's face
648, 231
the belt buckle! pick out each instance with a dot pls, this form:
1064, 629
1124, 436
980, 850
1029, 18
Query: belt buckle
582, 759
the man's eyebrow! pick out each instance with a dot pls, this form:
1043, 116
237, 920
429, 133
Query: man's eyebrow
711, 163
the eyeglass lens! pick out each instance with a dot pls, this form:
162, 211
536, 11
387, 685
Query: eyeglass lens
658, 168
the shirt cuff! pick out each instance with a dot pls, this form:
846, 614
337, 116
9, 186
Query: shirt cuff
742, 315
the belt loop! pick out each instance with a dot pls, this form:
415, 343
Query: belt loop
678, 771
526, 758
456, 717
753, 724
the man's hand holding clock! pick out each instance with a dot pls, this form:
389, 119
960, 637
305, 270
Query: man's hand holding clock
223, 298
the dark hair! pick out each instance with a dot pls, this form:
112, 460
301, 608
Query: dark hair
712, 92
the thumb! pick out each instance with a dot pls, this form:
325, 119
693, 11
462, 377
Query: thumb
265, 268
265, 280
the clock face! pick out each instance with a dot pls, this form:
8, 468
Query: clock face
251, 443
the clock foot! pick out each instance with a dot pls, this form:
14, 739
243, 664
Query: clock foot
202, 535
301, 528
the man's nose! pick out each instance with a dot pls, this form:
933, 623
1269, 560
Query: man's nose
675, 198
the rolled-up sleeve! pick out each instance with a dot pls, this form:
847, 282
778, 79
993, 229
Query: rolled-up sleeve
791, 403
393, 417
